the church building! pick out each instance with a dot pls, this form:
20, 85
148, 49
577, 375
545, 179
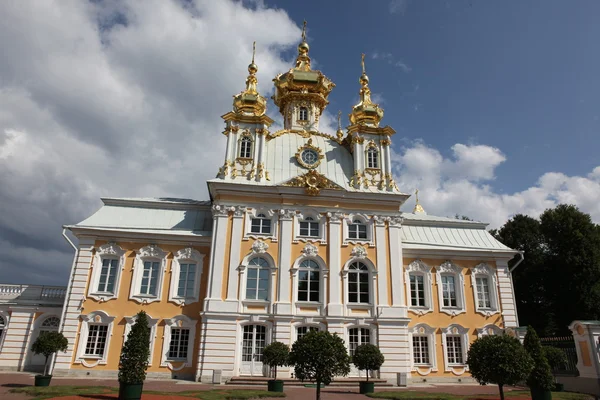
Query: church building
302, 231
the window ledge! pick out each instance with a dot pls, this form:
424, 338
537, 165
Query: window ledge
256, 302
308, 303
363, 306
102, 296
144, 299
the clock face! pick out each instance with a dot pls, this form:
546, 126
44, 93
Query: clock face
310, 157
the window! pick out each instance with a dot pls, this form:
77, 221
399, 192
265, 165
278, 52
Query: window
309, 227
149, 278
261, 225
454, 350
483, 293
485, 290
108, 275
448, 291
372, 158
358, 336
50, 324
357, 230
420, 350
96, 340
303, 330
245, 147
308, 281
108, 261
187, 280
257, 281
180, 340
417, 290
303, 114
358, 283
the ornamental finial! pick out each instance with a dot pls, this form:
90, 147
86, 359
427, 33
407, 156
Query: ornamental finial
339, 133
418, 208
362, 56
253, 51
304, 31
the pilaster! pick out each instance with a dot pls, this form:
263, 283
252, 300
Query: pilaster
283, 305
234, 252
506, 295
382, 267
335, 306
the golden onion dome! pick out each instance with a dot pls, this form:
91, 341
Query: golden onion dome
366, 112
249, 101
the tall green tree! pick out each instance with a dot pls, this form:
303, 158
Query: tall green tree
319, 356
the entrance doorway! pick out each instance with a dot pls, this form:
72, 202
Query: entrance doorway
253, 342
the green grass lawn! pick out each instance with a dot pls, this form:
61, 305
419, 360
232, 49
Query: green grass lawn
41, 393
515, 394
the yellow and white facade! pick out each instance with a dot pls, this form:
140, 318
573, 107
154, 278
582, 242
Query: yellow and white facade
302, 231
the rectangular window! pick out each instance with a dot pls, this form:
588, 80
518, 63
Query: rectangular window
108, 274
358, 287
483, 293
421, 350
448, 291
417, 291
308, 286
178, 348
454, 349
261, 225
309, 228
303, 330
150, 278
358, 336
187, 280
257, 284
357, 231
96, 340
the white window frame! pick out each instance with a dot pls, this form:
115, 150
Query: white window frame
489, 330
110, 251
418, 267
242, 269
323, 280
269, 267
372, 284
6, 319
97, 317
244, 135
429, 332
152, 323
151, 253
186, 256
373, 146
317, 217
179, 321
370, 328
463, 333
448, 268
253, 213
484, 270
369, 222
308, 323
300, 109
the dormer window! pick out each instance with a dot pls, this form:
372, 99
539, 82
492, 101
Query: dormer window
309, 227
357, 230
261, 225
372, 158
246, 147
303, 114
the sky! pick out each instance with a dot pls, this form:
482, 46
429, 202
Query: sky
495, 103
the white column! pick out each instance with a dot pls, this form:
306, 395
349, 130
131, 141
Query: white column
73, 301
506, 295
398, 307
382, 267
219, 347
388, 159
217, 261
335, 306
234, 252
283, 305
394, 345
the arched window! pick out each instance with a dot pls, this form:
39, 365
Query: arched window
309, 227
303, 330
245, 147
308, 281
257, 281
303, 114
358, 283
50, 323
356, 337
372, 158
261, 224
357, 230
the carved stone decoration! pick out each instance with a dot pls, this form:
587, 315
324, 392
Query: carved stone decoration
259, 247
152, 250
359, 252
313, 182
238, 211
395, 221
287, 214
219, 210
310, 250
111, 248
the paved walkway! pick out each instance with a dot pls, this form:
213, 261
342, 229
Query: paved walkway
11, 380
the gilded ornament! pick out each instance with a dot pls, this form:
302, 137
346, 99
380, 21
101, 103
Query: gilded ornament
309, 156
313, 182
385, 142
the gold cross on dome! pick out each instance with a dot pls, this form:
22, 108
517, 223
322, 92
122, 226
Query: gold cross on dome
304, 32
417, 195
339, 120
363, 62
253, 51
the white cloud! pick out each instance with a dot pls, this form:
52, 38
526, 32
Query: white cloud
461, 184
398, 6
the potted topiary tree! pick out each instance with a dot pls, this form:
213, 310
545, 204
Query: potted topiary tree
557, 359
134, 359
276, 355
47, 344
319, 356
367, 357
499, 359
540, 380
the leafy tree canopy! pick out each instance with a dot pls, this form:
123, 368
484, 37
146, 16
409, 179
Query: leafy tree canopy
49, 343
501, 360
368, 357
275, 355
